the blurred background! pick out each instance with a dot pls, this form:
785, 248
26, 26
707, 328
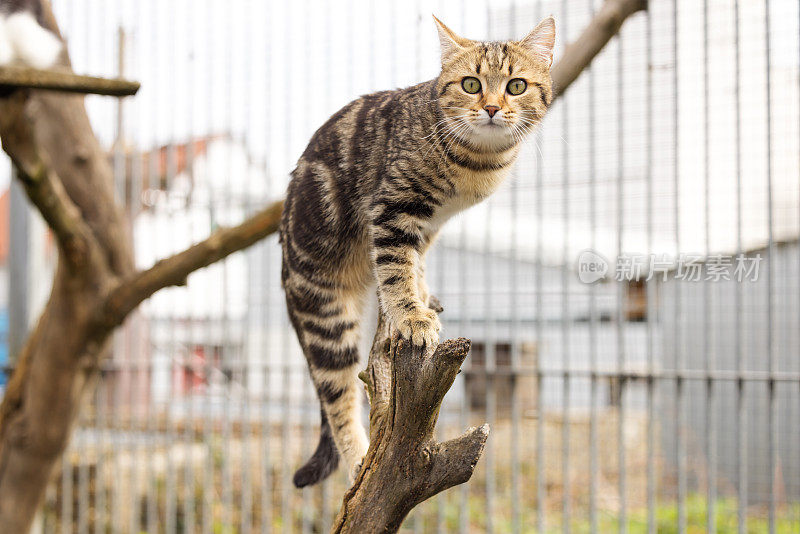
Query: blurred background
649, 400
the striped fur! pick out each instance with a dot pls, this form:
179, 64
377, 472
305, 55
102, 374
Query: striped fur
368, 197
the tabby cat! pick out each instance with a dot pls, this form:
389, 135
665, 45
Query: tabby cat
369, 195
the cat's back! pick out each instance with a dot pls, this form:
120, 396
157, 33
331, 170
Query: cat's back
327, 203
358, 136
346, 156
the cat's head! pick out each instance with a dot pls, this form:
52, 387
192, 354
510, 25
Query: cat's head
494, 92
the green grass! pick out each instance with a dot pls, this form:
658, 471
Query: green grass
666, 518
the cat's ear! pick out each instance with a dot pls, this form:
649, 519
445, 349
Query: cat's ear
541, 40
451, 43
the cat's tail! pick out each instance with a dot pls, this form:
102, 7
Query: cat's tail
324, 460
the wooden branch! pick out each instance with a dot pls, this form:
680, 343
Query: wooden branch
579, 54
405, 465
42, 186
27, 78
174, 270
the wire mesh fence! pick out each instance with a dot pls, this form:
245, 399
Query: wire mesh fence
664, 396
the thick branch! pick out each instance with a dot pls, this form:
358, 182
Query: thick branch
579, 55
27, 78
42, 186
404, 464
173, 271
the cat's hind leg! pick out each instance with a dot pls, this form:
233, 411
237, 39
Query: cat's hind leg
330, 331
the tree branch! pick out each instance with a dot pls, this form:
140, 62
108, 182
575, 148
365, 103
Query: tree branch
404, 464
174, 270
12, 78
42, 186
579, 54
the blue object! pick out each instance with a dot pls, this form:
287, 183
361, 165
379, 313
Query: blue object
3, 346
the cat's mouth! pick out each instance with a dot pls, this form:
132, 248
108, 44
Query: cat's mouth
492, 126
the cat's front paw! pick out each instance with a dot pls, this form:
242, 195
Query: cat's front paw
421, 326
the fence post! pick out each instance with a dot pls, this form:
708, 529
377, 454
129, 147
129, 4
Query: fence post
18, 269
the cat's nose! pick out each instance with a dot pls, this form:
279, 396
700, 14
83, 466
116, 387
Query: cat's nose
491, 110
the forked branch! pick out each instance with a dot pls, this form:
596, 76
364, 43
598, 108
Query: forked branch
405, 465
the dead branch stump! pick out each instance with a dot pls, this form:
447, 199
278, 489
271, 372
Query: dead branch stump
405, 465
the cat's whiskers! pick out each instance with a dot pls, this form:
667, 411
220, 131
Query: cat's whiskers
448, 124
526, 131
449, 136
454, 135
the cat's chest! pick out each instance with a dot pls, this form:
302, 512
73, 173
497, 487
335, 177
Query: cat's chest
470, 188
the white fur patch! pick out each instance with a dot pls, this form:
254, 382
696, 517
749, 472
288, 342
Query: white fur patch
23, 41
6, 50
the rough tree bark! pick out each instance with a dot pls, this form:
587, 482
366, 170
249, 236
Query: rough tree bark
405, 465
68, 178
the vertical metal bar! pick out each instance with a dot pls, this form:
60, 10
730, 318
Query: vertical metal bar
19, 269
741, 411
169, 434
190, 506
287, 508
209, 351
680, 422
101, 400
541, 519
773, 399
463, 508
593, 356
515, 341
148, 419
651, 294
326, 490
566, 512
621, 289
490, 360
541, 476
308, 390
66, 494
246, 425
490, 340
708, 343
270, 320
229, 348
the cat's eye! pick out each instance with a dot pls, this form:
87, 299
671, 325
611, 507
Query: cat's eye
516, 86
471, 85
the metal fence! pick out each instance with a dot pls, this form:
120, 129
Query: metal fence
645, 401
